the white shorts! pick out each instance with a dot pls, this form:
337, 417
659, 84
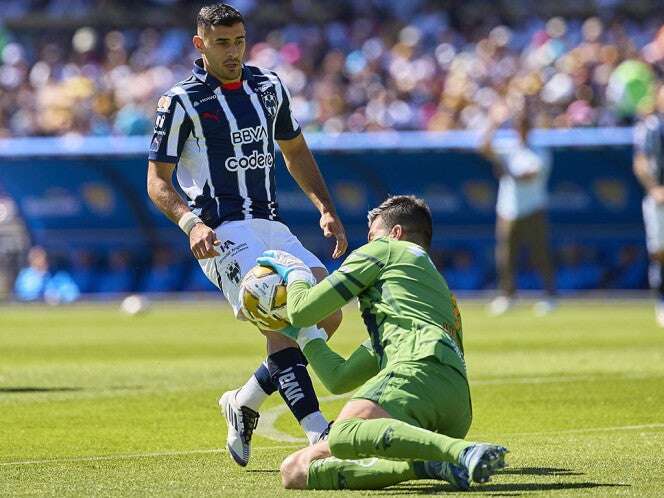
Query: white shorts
242, 242
653, 218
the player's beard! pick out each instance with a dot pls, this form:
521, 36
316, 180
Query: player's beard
223, 73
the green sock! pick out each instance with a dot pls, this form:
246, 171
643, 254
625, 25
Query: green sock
393, 440
369, 473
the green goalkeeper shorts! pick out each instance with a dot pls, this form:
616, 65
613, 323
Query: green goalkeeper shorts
425, 393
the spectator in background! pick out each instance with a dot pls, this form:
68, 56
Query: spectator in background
118, 277
36, 282
630, 269
578, 268
521, 220
464, 274
649, 169
83, 271
164, 275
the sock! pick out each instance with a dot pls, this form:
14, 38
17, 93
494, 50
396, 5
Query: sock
393, 440
289, 374
256, 389
370, 473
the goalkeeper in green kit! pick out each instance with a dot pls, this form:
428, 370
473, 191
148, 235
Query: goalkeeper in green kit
411, 407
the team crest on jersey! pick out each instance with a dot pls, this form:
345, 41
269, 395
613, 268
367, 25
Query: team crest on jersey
163, 104
269, 99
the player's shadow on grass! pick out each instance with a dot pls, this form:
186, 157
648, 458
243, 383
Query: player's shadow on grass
507, 489
540, 471
33, 389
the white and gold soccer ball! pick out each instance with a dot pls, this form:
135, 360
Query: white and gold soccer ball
263, 296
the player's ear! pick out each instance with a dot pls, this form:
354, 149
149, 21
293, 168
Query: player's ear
198, 43
397, 232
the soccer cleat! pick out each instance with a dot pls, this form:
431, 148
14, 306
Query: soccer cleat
483, 460
456, 475
500, 305
241, 422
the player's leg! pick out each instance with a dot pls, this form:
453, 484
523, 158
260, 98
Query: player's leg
653, 218
284, 369
315, 467
365, 430
506, 253
537, 240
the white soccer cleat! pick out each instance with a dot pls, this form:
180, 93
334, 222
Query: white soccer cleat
544, 307
500, 305
482, 461
659, 313
241, 422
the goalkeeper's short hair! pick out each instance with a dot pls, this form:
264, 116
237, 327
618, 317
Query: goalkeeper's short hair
409, 211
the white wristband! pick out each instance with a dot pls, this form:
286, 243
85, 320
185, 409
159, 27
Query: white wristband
187, 221
309, 334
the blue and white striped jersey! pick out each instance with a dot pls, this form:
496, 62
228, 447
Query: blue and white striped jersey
649, 140
222, 141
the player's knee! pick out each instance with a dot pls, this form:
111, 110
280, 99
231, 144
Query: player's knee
294, 471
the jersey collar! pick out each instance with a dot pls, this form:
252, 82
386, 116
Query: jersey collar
202, 75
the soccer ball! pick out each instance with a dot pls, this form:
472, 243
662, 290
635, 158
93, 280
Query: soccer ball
263, 298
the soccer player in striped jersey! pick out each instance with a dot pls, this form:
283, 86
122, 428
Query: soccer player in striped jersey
649, 169
407, 418
217, 131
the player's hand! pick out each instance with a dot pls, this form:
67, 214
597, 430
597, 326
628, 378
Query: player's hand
203, 241
657, 193
286, 265
332, 227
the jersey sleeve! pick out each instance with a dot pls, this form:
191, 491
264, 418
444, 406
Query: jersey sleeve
308, 305
286, 126
337, 374
171, 129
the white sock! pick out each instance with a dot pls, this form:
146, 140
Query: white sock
314, 425
251, 394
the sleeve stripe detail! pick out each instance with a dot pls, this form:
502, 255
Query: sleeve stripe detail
343, 291
378, 262
353, 280
174, 133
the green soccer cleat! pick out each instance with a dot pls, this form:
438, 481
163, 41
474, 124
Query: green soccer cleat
482, 461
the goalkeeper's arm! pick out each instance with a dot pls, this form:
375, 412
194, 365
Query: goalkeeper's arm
337, 374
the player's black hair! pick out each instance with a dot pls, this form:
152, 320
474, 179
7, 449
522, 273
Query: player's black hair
219, 14
411, 212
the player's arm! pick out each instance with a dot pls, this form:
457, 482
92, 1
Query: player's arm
172, 127
488, 151
643, 149
308, 304
302, 166
337, 374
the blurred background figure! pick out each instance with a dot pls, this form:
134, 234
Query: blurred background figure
36, 282
649, 169
521, 220
117, 276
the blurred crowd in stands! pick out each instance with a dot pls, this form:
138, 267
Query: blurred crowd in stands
60, 278
65, 67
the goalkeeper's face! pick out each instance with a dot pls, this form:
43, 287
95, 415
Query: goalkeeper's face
222, 48
378, 228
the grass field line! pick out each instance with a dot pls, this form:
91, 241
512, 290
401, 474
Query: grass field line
161, 454
590, 429
131, 456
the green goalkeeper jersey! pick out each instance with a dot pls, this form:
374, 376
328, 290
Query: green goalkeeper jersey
406, 305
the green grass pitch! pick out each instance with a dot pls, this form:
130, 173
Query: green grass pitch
96, 403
